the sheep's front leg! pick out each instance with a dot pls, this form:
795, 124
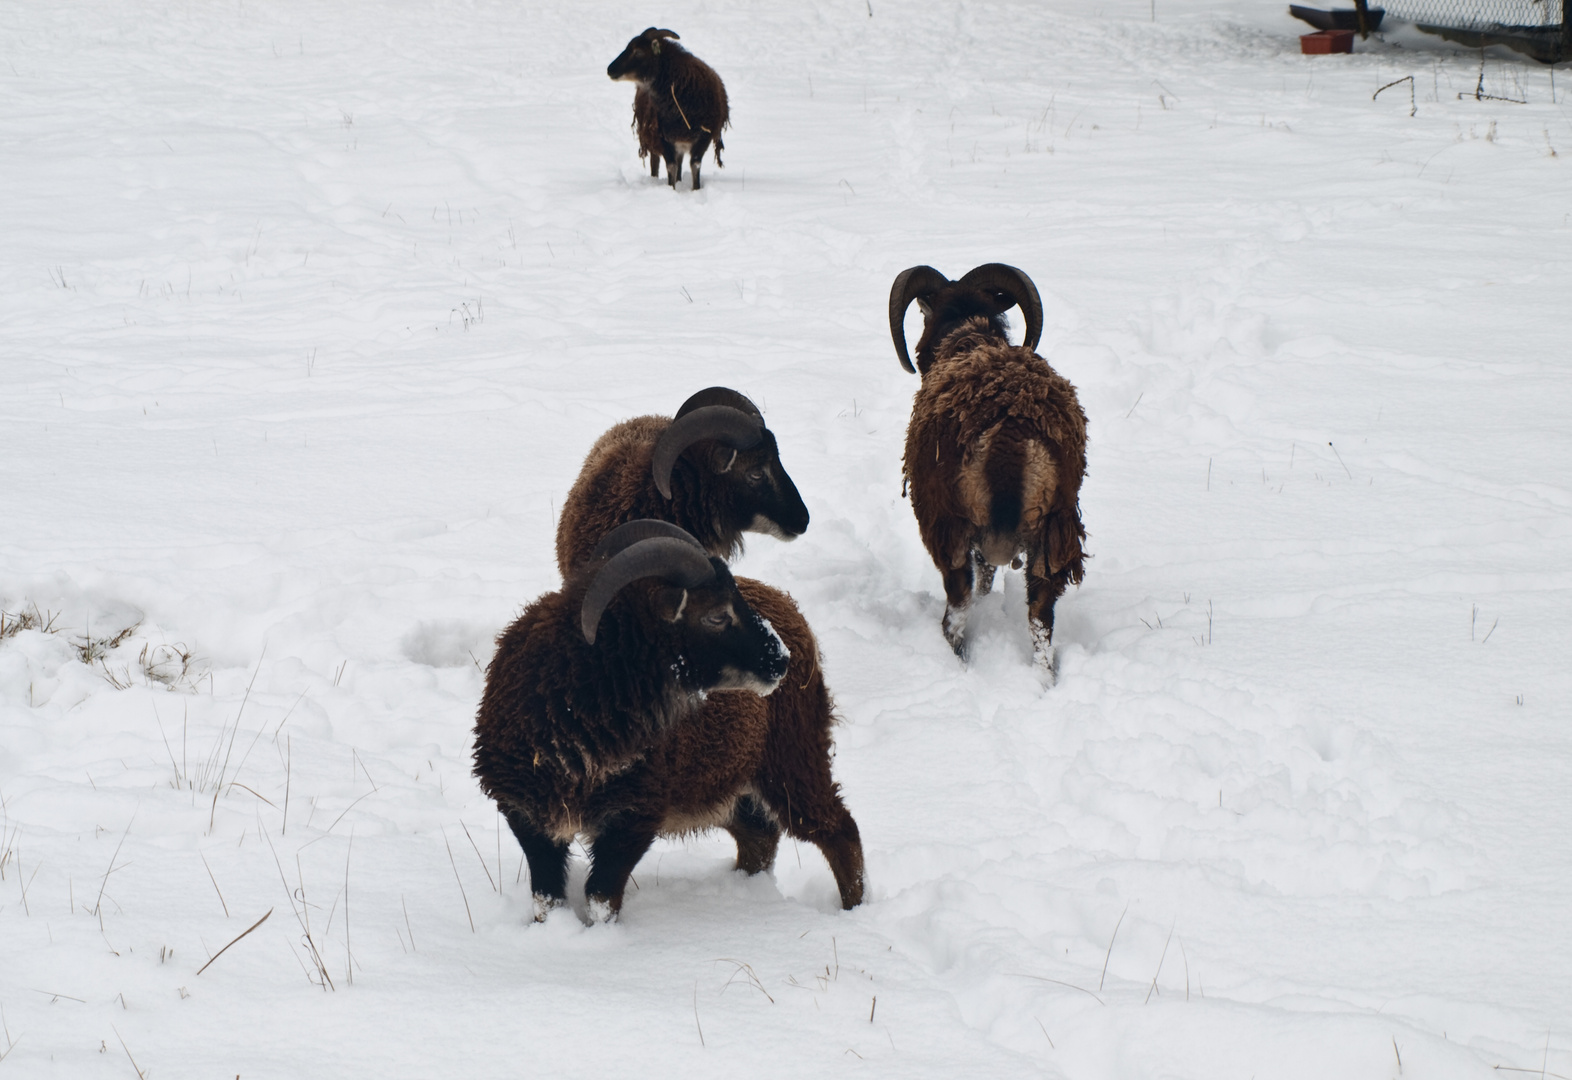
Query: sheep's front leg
958, 602
655, 165
614, 853
756, 833
548, 864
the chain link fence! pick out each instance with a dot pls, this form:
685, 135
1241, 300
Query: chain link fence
1479, 14
1536, 28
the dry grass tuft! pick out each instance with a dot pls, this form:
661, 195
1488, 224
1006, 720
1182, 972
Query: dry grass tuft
29, 618
172, 666
90, 650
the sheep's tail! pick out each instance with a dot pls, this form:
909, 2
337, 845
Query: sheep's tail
720, 144
1005, 471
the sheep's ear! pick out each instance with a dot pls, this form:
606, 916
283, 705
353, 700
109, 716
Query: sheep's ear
670, 602
655, 46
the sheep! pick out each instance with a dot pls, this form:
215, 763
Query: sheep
714, 469
628, 705
684, 105
996, 447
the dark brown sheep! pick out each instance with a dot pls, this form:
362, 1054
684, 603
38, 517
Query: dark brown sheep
714, 469
685, 105
996, 447
622, 725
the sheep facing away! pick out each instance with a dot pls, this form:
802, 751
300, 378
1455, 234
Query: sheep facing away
680, 105
627, 705
714, 469
996, 447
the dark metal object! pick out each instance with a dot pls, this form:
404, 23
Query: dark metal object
1340, 18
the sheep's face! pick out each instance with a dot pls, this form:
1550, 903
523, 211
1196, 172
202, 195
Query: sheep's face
724, 644
760, 495
640, 61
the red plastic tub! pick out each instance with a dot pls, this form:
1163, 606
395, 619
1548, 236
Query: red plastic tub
1324, 42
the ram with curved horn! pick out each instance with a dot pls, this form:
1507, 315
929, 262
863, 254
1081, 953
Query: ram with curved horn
714, 469
679, 104
996, 447
631, 704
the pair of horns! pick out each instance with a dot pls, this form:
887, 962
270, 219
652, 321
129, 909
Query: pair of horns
715, 413
654, 34
641, 549
923, 281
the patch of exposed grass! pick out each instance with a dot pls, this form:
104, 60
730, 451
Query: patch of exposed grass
28, 618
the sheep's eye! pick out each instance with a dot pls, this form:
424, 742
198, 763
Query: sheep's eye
755, 476
716, 620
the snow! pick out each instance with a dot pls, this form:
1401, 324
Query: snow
311, 311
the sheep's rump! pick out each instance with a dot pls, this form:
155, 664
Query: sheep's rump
997, 440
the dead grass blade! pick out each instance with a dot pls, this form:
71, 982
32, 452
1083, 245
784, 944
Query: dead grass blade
242, 934
460, 881
1111, 938
140, 1074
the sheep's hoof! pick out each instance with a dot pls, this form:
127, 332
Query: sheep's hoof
955, 630
545, 905
1045, 658
600, 911
1047, 668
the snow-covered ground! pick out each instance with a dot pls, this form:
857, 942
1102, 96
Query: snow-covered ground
308, 313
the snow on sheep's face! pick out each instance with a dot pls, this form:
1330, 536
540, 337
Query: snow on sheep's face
726, 645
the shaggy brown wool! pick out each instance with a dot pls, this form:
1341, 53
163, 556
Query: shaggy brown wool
646, 125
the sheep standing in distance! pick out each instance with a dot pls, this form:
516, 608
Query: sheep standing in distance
685, 96
627, 705
714, 470
996, 447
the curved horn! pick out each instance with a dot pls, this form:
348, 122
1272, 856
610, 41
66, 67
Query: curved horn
626, 535
908, 286
718, 395
666, 557
653, 34
726, 425
1017, 286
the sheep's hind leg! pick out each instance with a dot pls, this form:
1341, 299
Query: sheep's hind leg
548, 864
984, 571
696, 156
613, 855
673, 158
1041, 595
958, 597
813, 811
756, 833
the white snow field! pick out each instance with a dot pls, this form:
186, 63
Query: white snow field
309, 312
